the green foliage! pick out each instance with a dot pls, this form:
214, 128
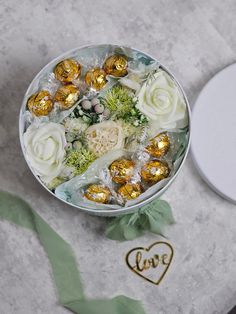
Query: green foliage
135, 117
88, 116
121, 102
55, 182
80, 160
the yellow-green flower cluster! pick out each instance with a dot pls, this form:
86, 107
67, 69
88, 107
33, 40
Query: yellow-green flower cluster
122, 104
80, 160
119, 100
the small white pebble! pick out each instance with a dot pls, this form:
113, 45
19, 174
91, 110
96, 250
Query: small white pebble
86, 104
81, 112
99, 108
95, 101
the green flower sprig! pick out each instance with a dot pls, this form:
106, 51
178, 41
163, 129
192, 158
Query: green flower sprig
121, 103
119, 100
80, 160
135, 117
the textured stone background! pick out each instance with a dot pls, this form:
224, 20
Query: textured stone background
195, 39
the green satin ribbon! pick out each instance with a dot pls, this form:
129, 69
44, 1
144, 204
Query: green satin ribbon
152, 217
65, 272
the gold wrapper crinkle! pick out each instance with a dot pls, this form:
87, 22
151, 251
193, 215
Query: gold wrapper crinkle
66, 96
154, 171
159, 145
67, 70
116, 65
40, 104
130, 191
95, 78
98, 193
121, 170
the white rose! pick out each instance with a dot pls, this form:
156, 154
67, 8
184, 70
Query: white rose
45, 149
161, 101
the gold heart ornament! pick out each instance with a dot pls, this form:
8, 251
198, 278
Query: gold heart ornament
151, 263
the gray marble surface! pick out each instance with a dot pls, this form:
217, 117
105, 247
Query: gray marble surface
195, 39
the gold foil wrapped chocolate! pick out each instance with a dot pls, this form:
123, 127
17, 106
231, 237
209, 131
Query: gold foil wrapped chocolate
121, 170
130, 191
154, 171
159, 145
116, 65
96, 78
40, 104
67, 70
98, 193
66, 96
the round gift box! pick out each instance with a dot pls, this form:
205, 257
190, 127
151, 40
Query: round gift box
34, 86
